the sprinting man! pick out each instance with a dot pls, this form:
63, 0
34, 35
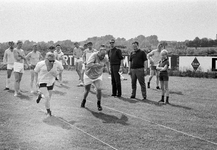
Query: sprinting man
93, 75
19, 60
154, 57
59, 56
45, 72
86, 55
164, 76
8, 60
33, 58
77, 53
137, 69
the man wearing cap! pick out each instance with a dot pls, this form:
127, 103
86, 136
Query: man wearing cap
8, 60
19, 59
137, 69
93, 75
116, 65
77, 53
59, 56
154, 57
33, 58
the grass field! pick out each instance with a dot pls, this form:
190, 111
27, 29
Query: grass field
188, 123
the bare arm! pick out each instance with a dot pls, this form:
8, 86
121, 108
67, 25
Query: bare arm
5, 58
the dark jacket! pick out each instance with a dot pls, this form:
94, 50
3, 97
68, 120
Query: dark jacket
115, 56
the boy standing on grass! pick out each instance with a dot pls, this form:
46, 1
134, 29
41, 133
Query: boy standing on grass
163, 76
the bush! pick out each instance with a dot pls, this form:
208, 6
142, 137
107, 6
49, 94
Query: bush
195, 74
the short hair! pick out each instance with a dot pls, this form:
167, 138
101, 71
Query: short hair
137, 43
89, 43
58, 45
10, 42
51, 47
76, 43
164, 51
49, 54
19, 42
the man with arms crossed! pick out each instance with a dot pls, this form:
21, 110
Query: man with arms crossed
33, 58
154, 57
93, 75
8, 60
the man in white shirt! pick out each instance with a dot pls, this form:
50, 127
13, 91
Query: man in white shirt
19, 59
46, 71
93, 75
33, 58
154, 57
8, 60
59, 56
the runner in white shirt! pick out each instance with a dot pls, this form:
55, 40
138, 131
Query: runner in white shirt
154, 57
8, 60
19, 59
59, 56
46, 71
33, 58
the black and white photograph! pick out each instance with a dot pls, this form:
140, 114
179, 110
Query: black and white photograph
108, 74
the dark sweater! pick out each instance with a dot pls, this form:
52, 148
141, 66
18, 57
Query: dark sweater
115, 56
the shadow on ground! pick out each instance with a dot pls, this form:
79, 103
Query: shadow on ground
106, 118
63, 86
59, 92
103, 95
59, 122
180, 106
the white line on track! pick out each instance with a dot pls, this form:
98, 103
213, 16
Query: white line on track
80, 130
184, 133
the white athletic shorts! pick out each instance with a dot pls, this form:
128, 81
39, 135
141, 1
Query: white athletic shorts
78, 60
10, 66
18, 67
97, 82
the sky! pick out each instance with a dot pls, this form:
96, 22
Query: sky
77, 20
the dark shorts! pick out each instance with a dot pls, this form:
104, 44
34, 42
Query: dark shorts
153, 68
164, 76
45, 85
32, 67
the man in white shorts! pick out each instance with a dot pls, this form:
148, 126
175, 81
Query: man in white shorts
33, 58
77, 53
8, 60
154, 57
19, 59
45, 72
59, 56
93, 75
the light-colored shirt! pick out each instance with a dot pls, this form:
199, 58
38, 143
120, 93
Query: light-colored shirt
8, 56
94, 71
77, 52
59, 56
86, 54
17, 53
45, 76
155, 55
33, 57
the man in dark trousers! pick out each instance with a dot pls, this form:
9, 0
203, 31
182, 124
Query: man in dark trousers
137, 69
116, 65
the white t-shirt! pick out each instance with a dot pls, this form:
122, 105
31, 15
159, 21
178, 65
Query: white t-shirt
155, 55
87, 53
34, 57
59, 56
8, 57
45, 76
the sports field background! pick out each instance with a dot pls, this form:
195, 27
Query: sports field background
189, 123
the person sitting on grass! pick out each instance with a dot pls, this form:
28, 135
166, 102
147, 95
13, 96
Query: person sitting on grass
163, 76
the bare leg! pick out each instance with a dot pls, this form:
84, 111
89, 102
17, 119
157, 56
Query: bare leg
32, 80
16, 83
